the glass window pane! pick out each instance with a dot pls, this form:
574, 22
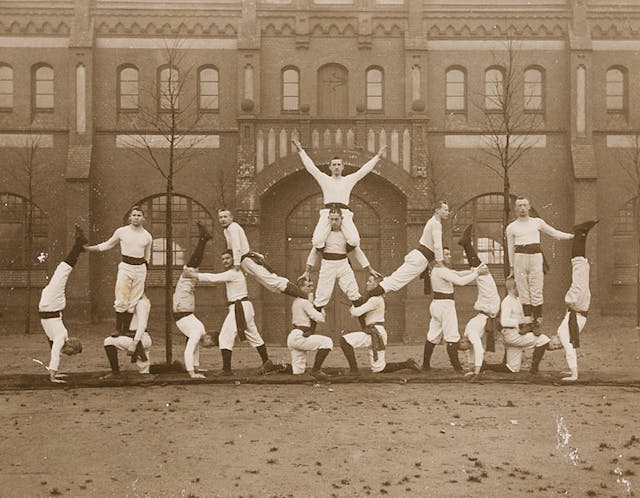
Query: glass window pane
455, 103
374, 103
44, 101
290, 76
290, 103
615, 103
44, 73
128, 102
209, 88
374, 76
208, 74
455, 76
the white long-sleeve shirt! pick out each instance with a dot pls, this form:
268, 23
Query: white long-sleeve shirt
432, 237
184, 296
302, 312
373, 310
578, 297
488, 299
134, 242
523, 231
336, 243
234, 280
443, 279
511, 314
337, 189
236, 241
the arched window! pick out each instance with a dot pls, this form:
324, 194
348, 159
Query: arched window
290, 89
616, 90
533, 89
168, 88
6, 87
43, 88
128, 88
493, 88
456, 90
624, 252
185, 213
333, 90
14, 213
208, 89
375, 89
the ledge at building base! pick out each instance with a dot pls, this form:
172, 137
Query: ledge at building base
337, 376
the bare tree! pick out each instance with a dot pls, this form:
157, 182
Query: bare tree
629, 161
167, 142
28, 173
508, 125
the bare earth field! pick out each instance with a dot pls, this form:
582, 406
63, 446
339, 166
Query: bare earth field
413, 435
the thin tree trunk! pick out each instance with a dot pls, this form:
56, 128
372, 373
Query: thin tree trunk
168, 272
29, 244
506, 205
637, 234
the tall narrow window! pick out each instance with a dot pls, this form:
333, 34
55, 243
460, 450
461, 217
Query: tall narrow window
494, 88
375, 89
456, 90
128, 83
209, 89
169, 88
290, 89
6, 87
43, 88
533, 90
616, 90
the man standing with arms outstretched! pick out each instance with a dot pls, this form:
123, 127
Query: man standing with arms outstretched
526, 260
336, 192
252, 262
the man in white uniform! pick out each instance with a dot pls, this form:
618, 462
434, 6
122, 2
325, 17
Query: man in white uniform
336, 192
301, 339
444, 320
137, 338
135, 247
373, 337
484, 324
52, 303
184, 306
577, 299
526, 259
517, 335
240, 318
252, 262
416, 262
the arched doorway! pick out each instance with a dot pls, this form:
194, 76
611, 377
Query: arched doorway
333, 90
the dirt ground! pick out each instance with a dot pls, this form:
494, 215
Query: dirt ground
443, 437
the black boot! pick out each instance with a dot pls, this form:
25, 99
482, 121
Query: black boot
226, 360
452, 351
112, 356
119, 320
294, 291
467, 244
426, 358
350, 355
262, 351
321, 355
139, 353
538, 353
77, 248
580, 233
126, 323
198, 253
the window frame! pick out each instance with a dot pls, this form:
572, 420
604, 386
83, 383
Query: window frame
367, 96
625, 90
448, 71
34, 88
502, 73
119, 93
283, 84
542, 83
160, 70
40, 229
208, 110
11, 84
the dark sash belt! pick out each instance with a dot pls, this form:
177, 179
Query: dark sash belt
377, 344
528, 249
333, 256
49, 314
428, 253
241, 319
574, 329
426, 275
442, 295
258, 259
336, 205
304, 328
133, 261
179, 315
490, 331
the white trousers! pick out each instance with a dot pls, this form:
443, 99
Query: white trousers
299, 346
271, 281
229, 330
52, 297
529, 277
474, 331
414, 264
323, 228
129, 286
330, 271
515, 345
126, 343
570, 352
57, 333
444, 321
194, 329
362, 340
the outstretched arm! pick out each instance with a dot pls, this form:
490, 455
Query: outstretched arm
308, 164
370, 305
462, 278
106, 245
368, 166
553, 232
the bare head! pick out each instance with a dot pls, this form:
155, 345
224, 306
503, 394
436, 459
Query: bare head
510, 284
372, 282
305, 284
335, 219
136, 216
522, 207
442, 210
225, 217
336, 166
446, 256
227, 258
72, 346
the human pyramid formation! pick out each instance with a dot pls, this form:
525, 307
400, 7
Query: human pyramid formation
517, 317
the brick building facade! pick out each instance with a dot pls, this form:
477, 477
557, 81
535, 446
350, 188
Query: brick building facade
78, 78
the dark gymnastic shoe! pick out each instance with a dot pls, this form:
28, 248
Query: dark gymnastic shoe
319, 374
80, 238
202, 231
583, 228
465, 239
